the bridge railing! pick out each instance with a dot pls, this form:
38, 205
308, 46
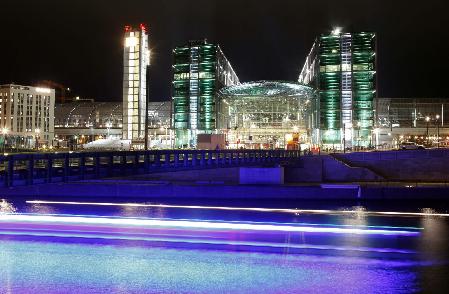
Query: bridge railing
33, 168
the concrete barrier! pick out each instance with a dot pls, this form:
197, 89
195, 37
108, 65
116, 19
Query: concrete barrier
403, 165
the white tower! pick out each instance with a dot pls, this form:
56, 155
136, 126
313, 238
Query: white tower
136, 59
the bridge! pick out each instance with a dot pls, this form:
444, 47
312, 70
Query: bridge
33, 168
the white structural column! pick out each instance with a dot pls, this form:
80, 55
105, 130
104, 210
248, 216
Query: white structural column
346, 88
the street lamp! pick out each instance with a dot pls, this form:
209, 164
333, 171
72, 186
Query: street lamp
4, 132
36, 137
165, 137
108, 127
437, 117
359, 124
427, 129
376, 137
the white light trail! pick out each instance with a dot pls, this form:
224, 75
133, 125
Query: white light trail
256, 209
185, 224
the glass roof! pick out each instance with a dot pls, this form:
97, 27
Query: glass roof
267, 88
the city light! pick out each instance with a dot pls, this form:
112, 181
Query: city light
43, 90
258, 209
336, 31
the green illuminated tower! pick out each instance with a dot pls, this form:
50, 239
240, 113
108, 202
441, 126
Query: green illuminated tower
342, 69
200, 69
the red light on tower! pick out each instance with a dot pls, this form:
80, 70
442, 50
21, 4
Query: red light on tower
143, 27
127, 28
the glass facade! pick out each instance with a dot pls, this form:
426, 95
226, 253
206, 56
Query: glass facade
200, 69
342, 69
411, 112
267, 114
136, 59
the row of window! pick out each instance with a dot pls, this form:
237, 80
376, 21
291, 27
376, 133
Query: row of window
346, 67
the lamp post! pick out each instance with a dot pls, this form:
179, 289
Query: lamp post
108, 127
4, 132
359, 124
427, 129
36, 137
437, 117
165, 137
376, 137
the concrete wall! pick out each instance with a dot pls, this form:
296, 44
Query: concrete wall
262, 175
325, 168
403, 165
111, 189
229, 175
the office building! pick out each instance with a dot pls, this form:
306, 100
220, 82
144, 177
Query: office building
342, 68
200, 69
26, 116
136, 59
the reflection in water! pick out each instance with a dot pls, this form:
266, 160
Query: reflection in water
99, 268
433, 246
6, 207
357, 218
281, 261
43, 209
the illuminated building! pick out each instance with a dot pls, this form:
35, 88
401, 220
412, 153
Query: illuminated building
200, 69
267, 114
27, 115
342, 68
136, 59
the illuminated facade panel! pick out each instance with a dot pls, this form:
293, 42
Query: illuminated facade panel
136, 59
200, 69
342, 68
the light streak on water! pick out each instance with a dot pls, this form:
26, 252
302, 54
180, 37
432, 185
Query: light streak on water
425, 212
188, 224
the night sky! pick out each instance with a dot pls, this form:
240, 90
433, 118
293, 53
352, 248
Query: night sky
79, 43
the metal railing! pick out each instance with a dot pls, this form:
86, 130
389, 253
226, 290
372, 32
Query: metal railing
33, 168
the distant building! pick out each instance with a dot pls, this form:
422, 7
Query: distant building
342, 68
200, 69
421, 120
27, 115
83, 121
136, 59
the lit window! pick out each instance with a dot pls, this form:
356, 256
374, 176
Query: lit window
131, 41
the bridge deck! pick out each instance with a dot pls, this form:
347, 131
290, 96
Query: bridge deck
32, 168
